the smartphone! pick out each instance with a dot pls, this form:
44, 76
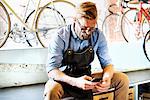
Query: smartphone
96, 79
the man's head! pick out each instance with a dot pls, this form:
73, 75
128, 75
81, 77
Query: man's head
87, 10
86, 19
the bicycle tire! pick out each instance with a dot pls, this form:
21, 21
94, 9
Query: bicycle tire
4, 18
62, 20
109, 28
129, 26
30, 41
146, 45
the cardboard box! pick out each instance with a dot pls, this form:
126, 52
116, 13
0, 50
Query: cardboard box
110, 95
106, 96
146, 96
131, 94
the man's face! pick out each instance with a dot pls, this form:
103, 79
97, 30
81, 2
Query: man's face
85, 27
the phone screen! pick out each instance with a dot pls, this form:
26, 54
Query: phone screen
96, 79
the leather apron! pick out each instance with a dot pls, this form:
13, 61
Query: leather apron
78, 64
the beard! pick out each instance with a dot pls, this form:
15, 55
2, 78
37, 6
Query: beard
82, 34
85, 36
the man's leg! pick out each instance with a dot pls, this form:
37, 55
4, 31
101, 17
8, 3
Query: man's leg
53, 90
120, 82
56, 91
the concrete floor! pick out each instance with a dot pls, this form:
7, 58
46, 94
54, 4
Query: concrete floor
31, 92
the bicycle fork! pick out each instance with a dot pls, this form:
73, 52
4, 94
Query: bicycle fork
138, 25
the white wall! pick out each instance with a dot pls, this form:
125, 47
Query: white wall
19, 8
21, 65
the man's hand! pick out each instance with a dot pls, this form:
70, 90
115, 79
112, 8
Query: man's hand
104, 85
84, 82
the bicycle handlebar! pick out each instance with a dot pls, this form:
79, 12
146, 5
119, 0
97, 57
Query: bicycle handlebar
122, 4
138, 5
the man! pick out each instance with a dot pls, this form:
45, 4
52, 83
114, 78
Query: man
70, 53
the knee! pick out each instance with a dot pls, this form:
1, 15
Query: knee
53, 91
122, 78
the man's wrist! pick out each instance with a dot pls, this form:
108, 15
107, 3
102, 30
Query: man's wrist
106, 75
69, 80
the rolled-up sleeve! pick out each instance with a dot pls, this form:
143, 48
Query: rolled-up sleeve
55, 53
102, 51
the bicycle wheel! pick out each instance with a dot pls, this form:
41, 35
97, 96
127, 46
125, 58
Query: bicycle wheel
130, 28
5, 25
111, 28
146, 45
50, 17
30, 36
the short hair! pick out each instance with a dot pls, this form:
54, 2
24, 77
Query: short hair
87, 10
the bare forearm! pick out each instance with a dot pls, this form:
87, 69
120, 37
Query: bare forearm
80, 82
58, 75
108, 71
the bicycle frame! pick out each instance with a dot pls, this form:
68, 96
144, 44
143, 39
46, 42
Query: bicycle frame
142, 11
16, 15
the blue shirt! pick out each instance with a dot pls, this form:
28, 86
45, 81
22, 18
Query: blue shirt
59, 44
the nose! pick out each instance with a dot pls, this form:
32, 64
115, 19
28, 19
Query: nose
88, 32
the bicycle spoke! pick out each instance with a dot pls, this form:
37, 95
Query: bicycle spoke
111, 28
65, 8
48, 22
50, 18
30, 36
132, 30
2, 36
128, 25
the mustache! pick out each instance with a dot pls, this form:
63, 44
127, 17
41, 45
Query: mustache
86, 36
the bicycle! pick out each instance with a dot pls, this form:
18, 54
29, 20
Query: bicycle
113, 20
50, 11
135, 21
17, 34
111, 24
135, 25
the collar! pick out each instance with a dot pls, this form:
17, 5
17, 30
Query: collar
73, 31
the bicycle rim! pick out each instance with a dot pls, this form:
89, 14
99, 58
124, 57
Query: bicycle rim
30, 36
111, 28
130, 26
146, 45
46, 25
51, 17
5, 25
145, 27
